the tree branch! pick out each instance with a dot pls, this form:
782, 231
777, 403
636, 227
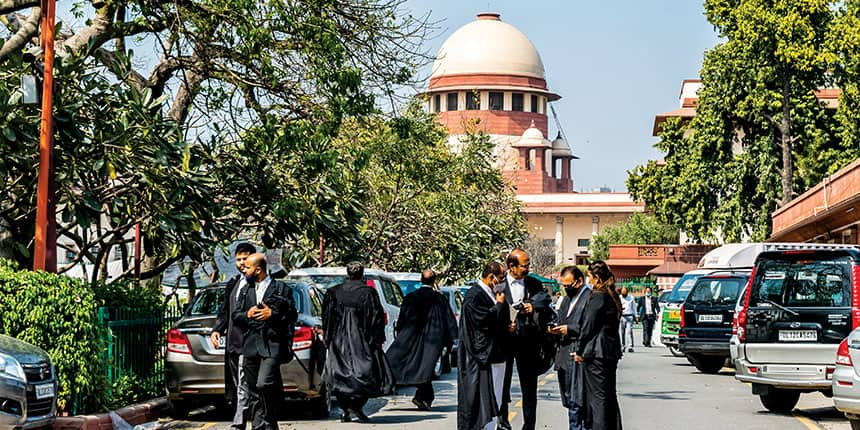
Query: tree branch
7, 6
25, 32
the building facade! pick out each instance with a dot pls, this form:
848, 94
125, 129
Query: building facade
489, 77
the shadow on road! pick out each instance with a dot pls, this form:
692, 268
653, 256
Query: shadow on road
402, 419
660, 395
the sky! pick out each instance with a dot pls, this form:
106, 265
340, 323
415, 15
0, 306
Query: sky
616, 65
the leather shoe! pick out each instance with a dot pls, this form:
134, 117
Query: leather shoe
503, 424
360, 416
344, 417
421, 405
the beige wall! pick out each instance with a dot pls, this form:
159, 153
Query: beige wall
576, 226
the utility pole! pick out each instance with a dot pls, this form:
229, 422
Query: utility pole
45, 255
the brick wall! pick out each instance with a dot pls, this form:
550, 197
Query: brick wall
509, 123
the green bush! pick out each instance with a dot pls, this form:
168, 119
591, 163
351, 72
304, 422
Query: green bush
60, 315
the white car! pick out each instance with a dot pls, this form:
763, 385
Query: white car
846, 379
389, 292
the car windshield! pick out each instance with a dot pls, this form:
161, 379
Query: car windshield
802, 283
683, 287
408, 286
207, 302
716, 291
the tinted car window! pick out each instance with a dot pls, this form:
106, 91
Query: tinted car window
316, 301
682, 288
409, 286
327, 281
716, 291
207, 302
803, 283
458, 300
297, 297
391, 290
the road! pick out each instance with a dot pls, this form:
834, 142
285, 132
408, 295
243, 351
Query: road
653, 387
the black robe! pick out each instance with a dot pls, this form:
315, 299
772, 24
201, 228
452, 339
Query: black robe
483, 326
426, 325
354, 329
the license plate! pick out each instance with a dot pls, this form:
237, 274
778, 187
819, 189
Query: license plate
675, 315
44, 391
710, 318
797, 335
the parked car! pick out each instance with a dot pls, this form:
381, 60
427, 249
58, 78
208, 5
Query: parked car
28, 385
389, 291
706, 319
195, 367
732, 256
455, 295
800, 305
407, 281
846, 379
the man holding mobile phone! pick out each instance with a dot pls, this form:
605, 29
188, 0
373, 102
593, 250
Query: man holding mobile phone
570, 311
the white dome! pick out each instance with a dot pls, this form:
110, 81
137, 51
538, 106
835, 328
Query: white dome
532, 137
488, 45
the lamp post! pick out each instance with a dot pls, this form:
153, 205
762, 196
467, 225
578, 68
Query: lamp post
45, 254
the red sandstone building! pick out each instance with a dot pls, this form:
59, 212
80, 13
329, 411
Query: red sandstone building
488, 76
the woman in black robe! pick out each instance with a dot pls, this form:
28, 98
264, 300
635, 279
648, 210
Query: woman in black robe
599, 349
354, 329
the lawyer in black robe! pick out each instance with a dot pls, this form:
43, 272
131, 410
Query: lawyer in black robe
483, 324
354, 328
426, 325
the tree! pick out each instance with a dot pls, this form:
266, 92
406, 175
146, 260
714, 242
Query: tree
639, 229
759, 135
225, 76
426, 206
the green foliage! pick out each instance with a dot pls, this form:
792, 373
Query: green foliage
760, 136
639, 229
427, 206
59, 315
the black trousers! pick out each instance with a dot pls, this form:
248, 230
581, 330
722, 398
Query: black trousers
647, 329
601, 397
525, 360
266, 391
424, 392
564, 380
231, 376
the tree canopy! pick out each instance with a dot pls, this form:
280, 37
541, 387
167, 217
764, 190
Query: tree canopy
760, 135
639, 229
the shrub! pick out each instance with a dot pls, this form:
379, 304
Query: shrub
60, 315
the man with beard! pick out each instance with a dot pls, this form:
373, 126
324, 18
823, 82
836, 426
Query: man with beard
266, 316
235, 385
484, 322
570, 376
425, 327
354, 330
525, 345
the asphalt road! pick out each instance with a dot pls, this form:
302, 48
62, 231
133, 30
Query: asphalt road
655, 390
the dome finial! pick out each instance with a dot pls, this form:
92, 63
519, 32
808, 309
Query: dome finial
489, 16
532, 125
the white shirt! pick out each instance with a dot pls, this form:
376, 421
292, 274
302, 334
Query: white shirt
573, 301
487, 290
261, 288
239, 287
646, 301
518, 289
628, 305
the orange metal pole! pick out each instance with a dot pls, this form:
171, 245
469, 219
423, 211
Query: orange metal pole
44, 257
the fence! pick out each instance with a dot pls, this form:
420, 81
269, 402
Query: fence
636, 285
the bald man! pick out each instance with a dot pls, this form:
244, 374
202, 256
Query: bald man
266, 315
425, 327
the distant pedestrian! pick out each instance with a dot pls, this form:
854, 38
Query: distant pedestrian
648, 311
570, 373
425, 327
484, 324
628, 317
235, 384
354, 329
266, 316
599, 349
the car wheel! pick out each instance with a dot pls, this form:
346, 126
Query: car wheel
779, 400
709, 365
321, 406
675, 351
179, 409
855, 424
690, 359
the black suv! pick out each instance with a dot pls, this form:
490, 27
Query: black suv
706, 319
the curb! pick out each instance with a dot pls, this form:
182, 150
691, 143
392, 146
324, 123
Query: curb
134, 415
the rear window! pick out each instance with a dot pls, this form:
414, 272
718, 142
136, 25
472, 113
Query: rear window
802, 283
458, 300
207, 302
392, 293
682, 288
408, 286
327, 281
716, 291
